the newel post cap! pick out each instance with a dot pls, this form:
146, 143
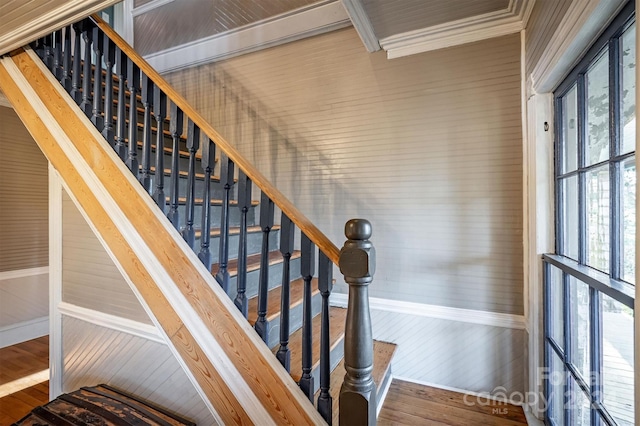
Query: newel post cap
358, 256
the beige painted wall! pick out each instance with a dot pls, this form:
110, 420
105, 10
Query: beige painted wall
428, 147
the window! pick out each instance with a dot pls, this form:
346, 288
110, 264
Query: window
589, 292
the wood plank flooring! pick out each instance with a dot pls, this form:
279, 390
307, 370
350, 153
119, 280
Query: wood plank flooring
413, 404
17, 362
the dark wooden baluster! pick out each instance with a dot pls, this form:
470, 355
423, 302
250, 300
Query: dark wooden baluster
47, 41
226, 181
121, 124
325, 285
38, 46
357, 264
96, 112
176, 128
207, 162
86, 104
65, 78
287, 236
244, 204
160, 113
307, 269
266, 223
133, 83
109, 60
57, 54
76, 93
147, 103
193, 143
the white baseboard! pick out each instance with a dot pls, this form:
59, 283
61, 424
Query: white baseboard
23, 331
493, 319
21, 273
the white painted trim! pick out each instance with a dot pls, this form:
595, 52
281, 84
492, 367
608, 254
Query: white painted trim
21, 273
23, 331
127, 21
493, 319
113, 322
582, 24
362, 24
467, 30
56, 357
148, 7
383, 395
189, 316
295, 25
636, 390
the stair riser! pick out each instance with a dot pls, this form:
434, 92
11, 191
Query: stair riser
215, 214
337, 353
295, 320
275, 279
254, 244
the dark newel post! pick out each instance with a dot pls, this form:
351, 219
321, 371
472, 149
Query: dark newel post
96, 112
357, 264
147, 103
57, 54
121, 125
133, 83
86, 104
193, 143
266, 223
65, 79
287, 235
207, 162
307, 269
175, 128
226, 182
244, 203
109, 60
325, 285
76, 93
160, 113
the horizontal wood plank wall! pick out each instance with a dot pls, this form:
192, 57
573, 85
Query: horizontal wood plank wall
94, 354
544, 21
428, 147
90, 279
24, 238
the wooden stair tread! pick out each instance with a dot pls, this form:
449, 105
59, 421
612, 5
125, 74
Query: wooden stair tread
234, 230
337, 319
253, 262
383, 353
273, 306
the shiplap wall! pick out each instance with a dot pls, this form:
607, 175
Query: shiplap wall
24, 235
147, 369
428, 147
544, 21
90, 279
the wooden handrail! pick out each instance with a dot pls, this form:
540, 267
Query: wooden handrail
305, 225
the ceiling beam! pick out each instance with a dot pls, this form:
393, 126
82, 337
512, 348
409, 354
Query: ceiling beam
58, 16
362, 24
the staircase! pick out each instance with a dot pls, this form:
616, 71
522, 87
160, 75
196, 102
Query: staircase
212, 210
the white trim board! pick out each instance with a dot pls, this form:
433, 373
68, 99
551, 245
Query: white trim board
475, 28
56, 357
301, 23
493, 319
148, 7
21, 273
23, 331
362, 24
581, 25
113, 322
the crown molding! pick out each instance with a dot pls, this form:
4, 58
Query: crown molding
295, 25
362, 24
495, 24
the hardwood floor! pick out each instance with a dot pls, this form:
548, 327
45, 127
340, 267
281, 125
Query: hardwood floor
413, 404
21, 387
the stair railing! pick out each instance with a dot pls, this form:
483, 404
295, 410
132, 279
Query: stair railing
83, 55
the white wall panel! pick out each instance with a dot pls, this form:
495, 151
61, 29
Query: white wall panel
544, 21
427, 147
89, 277
24, 299
94, 355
